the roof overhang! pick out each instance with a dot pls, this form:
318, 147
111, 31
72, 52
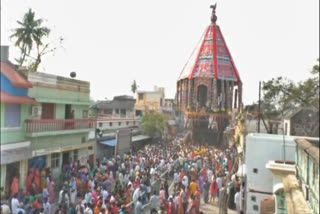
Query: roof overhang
15, 78
8, 98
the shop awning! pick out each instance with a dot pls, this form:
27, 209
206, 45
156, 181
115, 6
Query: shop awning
140, 137
7, 98
14, 152
109, 142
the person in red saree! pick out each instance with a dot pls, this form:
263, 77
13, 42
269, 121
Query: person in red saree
170, 206
197, 199
230, 165
14, 186
30, 179
127, 198
193, 209
50, 187
38, 180
213, 189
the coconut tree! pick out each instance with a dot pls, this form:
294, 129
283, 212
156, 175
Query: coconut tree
29, 32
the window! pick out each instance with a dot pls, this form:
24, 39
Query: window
119, 123
256, 207
55, 160
117, 111
134, 122
140, 96
315, 172
100, 124
83, 139
85, 114
12, 115
75, 155
110, 124
255, 170
123, 111
253, 198
108, 111
127, 123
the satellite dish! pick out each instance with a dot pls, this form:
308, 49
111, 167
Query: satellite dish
73, 74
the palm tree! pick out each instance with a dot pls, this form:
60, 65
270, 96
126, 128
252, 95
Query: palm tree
134, 87
29, 32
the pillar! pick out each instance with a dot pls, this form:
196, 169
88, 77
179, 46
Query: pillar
23, 172
189, 94
3, 176
231, 95
222, 96
215, 95
240, 96
227, 94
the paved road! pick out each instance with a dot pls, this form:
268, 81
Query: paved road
211, 208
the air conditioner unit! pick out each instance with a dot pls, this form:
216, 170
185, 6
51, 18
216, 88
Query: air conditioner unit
36, 111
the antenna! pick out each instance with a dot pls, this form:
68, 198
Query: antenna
284, 140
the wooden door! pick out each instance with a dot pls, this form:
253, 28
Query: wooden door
48, 111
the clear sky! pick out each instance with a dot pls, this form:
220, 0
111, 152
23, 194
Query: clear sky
112, 43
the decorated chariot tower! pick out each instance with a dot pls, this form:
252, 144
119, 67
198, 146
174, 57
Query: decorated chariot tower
209, 87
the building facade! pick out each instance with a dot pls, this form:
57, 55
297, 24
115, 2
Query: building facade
119, 107
307, 167
302, 122
58, 125
149, 101
15, 108
259, 179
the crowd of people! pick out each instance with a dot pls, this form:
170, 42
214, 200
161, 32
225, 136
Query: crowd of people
136, 182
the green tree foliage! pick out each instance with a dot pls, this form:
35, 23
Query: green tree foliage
29, 32
154, 124
134, 87
30, 36
280, 94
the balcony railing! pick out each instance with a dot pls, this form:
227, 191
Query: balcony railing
48, 125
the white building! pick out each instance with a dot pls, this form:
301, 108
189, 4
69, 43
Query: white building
260, 149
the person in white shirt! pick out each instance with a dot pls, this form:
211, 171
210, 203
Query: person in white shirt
237, 200
5, 209
46, 207
105, 194
136, 195
14, 204
185, 181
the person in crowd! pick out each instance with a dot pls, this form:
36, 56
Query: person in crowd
139, 206
15, 204
154, 203
237, 200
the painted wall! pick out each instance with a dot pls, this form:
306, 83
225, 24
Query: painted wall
272, 147
60, 111
78, 110
51, 142
7, 86
11, 135
58, 95
105, 125
253, 200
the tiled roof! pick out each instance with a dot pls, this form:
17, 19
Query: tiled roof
15, 78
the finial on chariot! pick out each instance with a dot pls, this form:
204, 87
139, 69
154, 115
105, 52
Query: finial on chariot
213, 14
